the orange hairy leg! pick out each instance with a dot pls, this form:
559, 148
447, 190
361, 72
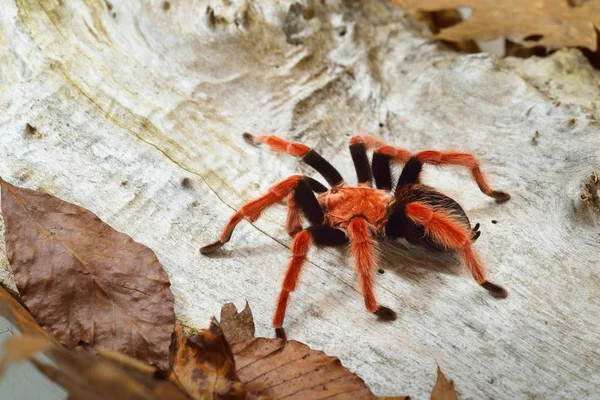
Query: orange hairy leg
278, 144
362, 247
253, 209
308, 155
397, 154
450, 234
466, 160
300, 248
434, 157
293, 223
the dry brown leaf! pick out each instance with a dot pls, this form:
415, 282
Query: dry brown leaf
85, 282
236, 326
204, 366
278, 369
443, 389
561, 23
86, 377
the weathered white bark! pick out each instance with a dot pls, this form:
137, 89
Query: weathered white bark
128, 99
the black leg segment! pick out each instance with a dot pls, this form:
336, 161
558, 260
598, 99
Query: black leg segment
315, 185
361, 162
315, 160
382, 171
307, 202
327, 236
410, 172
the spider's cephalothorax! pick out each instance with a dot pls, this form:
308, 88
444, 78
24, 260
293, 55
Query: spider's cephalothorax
360, 215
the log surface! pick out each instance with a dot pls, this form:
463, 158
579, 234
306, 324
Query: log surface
135, 110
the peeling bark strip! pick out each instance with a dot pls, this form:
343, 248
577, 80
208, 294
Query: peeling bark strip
85, 282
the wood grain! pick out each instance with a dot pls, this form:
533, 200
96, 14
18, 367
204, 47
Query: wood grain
138, 112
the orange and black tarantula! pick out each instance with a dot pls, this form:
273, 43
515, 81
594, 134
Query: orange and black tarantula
360, 215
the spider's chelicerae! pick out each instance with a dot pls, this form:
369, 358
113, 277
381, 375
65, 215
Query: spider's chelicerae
360, 215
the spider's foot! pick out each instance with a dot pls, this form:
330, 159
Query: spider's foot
295, 231
385, 313
209, 248
280, 334
500, 197
248, 137
475, 236
495, 290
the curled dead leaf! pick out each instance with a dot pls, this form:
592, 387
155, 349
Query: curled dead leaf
549, 23
203, 365
88, 377
444, 388
85, 282
237, 326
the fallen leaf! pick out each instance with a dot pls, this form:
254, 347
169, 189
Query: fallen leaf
85, 282
443, 389
291, 370
560, 23
88, 377
236, 326
204, 366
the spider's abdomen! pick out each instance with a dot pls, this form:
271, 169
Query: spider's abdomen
341, 204
399, 225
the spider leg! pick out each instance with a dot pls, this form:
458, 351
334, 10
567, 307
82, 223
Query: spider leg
304, 198
382, 159
466, 160
361, 163
362, 247
293, 223
324, 235
309, 156
384, 155
450, 234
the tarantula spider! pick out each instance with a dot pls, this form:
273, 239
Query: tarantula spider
360, 215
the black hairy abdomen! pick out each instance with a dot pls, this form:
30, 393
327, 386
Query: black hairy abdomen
399, 225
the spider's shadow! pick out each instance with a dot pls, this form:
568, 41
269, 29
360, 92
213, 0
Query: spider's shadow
248, 251
417, 263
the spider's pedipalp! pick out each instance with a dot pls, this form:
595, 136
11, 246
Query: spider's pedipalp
309, 156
